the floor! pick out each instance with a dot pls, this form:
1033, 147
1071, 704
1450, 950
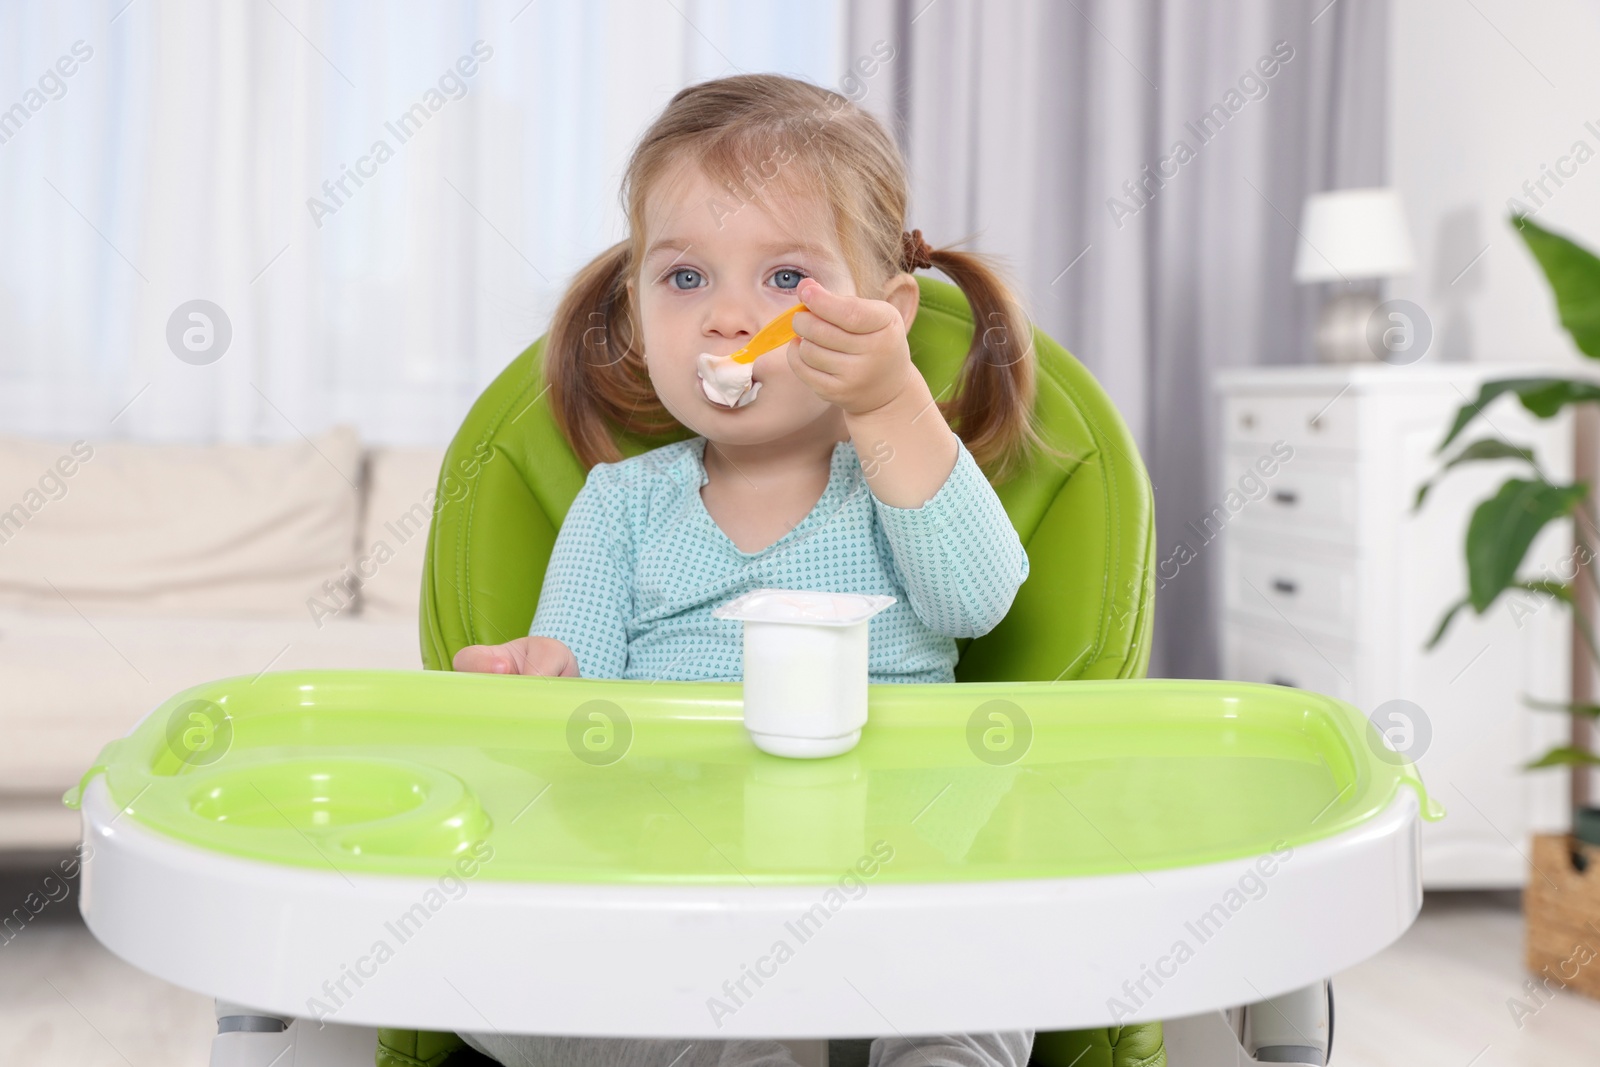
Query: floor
64, 1000
1439, 996
1443, 994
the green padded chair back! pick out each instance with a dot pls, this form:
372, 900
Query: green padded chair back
1087, 521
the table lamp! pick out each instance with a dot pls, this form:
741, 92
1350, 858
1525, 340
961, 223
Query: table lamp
1351, 236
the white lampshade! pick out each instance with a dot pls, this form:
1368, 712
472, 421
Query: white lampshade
1350, 234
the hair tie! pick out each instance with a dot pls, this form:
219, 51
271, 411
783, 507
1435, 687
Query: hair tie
915, 254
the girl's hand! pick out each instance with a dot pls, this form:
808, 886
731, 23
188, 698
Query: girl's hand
850, 351
526, 655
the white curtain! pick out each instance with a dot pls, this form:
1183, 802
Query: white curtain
176, 162
1028, 125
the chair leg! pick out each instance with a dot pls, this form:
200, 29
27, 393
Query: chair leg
808, 1053
849, 1051
248, 1038
1293, 1028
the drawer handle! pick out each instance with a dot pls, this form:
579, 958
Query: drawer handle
1278, 679
1285, 585
1286, 497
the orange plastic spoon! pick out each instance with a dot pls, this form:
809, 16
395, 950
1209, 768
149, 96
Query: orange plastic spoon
780, 331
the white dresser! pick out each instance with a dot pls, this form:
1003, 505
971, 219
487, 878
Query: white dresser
1330, 582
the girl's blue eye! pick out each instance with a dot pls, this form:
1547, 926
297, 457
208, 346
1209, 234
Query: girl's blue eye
789, 278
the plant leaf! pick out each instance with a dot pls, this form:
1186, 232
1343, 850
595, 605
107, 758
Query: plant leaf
1565, 756
1543, 397
1574, 274
1486, 448
1590, 710
1544, 401
1444, 623
1502, 528
1562, 591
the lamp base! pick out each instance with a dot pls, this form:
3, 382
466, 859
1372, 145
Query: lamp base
1342, 328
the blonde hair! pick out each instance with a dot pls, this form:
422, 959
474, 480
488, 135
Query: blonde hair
747, 132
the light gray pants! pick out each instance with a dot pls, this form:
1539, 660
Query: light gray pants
1006, 1049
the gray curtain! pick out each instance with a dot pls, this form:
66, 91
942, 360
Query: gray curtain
1029, 126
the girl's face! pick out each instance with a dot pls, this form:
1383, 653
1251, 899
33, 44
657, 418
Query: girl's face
714, 272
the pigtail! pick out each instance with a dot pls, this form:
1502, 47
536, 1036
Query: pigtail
594, 366
993, 409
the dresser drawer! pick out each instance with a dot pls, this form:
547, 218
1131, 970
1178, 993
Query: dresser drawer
1273, 585
1307, 497
1251, 653
1305, 420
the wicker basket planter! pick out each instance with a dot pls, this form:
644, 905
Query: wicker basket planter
1561, 909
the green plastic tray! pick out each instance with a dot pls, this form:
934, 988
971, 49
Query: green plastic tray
602, 781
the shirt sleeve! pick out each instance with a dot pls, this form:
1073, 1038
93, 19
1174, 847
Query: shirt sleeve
957, 555
587, 596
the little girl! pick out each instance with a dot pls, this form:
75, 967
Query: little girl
836, 470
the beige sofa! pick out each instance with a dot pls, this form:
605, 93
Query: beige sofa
129, 572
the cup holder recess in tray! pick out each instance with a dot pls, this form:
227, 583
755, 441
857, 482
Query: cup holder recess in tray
359, 805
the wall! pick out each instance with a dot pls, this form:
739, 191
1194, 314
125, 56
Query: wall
1486, 96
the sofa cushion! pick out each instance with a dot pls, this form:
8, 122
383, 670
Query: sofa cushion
401, 485
71, 686
212, 530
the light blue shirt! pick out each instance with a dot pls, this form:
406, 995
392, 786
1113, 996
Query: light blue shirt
639, 563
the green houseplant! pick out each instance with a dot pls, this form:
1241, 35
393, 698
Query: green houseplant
1503, 527
1561, 899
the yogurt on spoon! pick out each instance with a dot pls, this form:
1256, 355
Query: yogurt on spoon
728, 380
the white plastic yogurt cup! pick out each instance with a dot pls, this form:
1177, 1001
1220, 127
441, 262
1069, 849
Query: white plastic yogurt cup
805, 668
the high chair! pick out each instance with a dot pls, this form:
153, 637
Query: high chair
1052, 883
1086, 610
